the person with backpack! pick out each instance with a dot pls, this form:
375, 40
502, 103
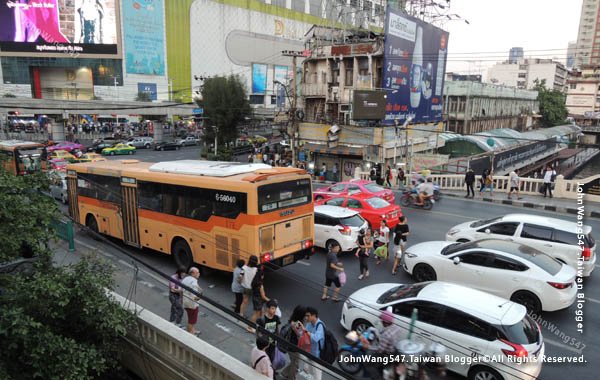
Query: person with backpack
315, 329
259, 360
292, 332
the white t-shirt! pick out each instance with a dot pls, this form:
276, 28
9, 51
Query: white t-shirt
249, 274
188, 297
384, 234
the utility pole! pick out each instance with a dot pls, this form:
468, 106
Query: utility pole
294, 122
170, 89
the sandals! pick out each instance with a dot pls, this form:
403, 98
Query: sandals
324, 298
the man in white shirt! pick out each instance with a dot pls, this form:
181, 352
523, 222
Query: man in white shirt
549, 177
514, 183
425, 190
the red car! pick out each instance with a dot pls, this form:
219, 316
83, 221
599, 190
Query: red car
353, 187
65, 145
373, 209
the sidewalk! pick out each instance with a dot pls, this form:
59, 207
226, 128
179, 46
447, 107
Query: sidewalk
566, 206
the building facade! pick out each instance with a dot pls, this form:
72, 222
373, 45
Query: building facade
571, 55
515, 54
583, 94
472, 107
524, 73
588, 40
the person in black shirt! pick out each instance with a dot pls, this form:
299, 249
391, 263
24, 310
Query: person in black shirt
270, 322
401, 231
469, 181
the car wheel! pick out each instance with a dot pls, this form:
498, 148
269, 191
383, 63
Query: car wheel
361, 325
182, 254
484, 373
424, 272
176, 148
527, 299
130, 152
330, 243
147, 146
162, 148
112, 153
348, 365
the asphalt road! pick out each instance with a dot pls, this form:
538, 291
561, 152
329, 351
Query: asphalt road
302, 282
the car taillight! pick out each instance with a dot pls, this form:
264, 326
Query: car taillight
518, 350
586, 254
560, 285
307, 243
266, 257
345, 230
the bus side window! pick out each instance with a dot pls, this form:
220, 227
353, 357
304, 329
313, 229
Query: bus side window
150, 196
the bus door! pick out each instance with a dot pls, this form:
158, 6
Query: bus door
72, 196
129, 201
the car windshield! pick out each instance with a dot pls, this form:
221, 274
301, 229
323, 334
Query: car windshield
483, 222
401, 292
352, 221
374, 188
377, 202
457, 247
524, 332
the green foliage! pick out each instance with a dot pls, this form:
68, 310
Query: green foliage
223, 154
552, 105
143, 97
225, 102
59, 324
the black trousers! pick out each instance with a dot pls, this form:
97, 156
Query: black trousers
548, 189
239, 297
364, 266
470, 189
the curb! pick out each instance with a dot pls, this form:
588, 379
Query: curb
509, 202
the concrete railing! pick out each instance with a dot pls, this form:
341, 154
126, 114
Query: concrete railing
563, 188
157, 349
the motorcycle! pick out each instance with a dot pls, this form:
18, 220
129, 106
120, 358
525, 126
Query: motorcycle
437, 194
432, 369
356, 348
410, 198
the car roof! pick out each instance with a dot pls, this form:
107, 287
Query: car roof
335, 211
546, 221
482, 305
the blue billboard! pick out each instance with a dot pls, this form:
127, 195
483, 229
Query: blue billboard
259, 78
414, 68
148, 88
144, 30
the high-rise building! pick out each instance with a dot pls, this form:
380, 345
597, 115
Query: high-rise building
515, 54
588, 40
523, 73
571, 53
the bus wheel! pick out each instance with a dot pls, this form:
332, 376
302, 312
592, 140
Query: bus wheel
182, 254
92, 224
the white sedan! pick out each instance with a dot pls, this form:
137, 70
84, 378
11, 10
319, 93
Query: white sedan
507, 269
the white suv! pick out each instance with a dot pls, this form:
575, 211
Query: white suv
555, 237
486, 337
337, 224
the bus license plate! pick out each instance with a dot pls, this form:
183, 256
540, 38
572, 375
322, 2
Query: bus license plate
288, 260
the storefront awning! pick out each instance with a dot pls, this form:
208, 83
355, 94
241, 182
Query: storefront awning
339, 150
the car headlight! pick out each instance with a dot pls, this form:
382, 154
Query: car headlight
453, 232
349, 304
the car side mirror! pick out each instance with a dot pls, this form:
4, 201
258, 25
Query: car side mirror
487, 231
456, 260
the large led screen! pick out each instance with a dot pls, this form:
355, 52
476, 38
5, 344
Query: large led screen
58, 26
414, 66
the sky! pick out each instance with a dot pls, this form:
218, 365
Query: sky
497, 25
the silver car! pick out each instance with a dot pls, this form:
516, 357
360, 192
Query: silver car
58, 188
141, 142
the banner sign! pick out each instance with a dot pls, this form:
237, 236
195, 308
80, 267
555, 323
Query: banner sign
148, 88
259, 78
143, 28
54, 26
414, 68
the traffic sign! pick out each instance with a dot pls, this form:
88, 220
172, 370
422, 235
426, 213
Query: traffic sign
198, 111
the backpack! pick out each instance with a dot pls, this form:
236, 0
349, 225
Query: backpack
286, 332
329, 351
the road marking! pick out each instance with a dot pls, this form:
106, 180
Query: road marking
148, 284
125, 263
223, 327
592, 300
562, 345
303, 263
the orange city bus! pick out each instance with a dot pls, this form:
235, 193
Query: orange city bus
22, 157
204, 212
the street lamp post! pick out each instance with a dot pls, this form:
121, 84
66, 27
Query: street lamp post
216, 135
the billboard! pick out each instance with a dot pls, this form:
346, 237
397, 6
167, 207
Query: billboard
148, 88
259, 78
58, 26
414, 67
368, 105
143, 34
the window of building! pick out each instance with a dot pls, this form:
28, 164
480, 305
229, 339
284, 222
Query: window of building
273, 99
349, 64
522, 75
573, 86
257, 99
522, 67
521, 84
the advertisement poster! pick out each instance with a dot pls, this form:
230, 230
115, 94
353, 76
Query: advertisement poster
148, 88
143, 29
57, 26
414, 66
259, 78
280, 74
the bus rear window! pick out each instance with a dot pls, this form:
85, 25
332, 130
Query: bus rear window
282, 195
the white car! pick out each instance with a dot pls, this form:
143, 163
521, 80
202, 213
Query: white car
141, 142
337, 224
504, 268
555, 237
189, 140
58, 187
469, 323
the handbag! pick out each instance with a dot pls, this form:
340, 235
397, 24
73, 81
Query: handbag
304, 342
279, 360
342, 278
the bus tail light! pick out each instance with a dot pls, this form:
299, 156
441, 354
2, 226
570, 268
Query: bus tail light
308, 243
266, 257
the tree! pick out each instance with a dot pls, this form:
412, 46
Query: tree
552, 104
225, 102
143, 97
56, 323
